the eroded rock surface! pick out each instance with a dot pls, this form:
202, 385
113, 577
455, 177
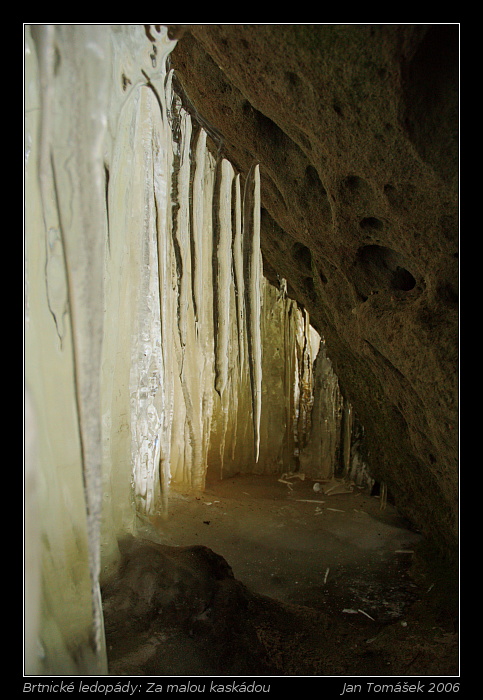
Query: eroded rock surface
355, 128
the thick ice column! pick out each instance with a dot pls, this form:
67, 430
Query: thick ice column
162, 163
198, 233
192, 247
223, 273
180, 192
137, 390
198, 364
131, 351
82, 222
222, 295
239, 278
147, 369
72, 128
202, 234
253, 272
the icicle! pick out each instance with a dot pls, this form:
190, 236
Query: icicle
162, 167
147, 365
253, 263
239, 275
183, 227
197, 223
223, 273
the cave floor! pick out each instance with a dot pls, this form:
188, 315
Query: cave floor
338, 555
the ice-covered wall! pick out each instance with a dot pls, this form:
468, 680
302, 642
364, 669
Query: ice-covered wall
65, 231
157, 354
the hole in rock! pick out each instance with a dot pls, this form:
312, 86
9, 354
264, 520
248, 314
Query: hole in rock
403, 280
308, 287
378, 268
371, 222
301, 254
355, 190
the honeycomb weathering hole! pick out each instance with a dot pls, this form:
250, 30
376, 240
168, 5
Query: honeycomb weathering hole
384, 268
372, 223
403, 280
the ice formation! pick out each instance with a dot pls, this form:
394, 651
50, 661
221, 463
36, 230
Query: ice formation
156, 351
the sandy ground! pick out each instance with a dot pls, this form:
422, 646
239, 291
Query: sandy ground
334, 550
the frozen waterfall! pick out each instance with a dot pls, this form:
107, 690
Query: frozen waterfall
156, 351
